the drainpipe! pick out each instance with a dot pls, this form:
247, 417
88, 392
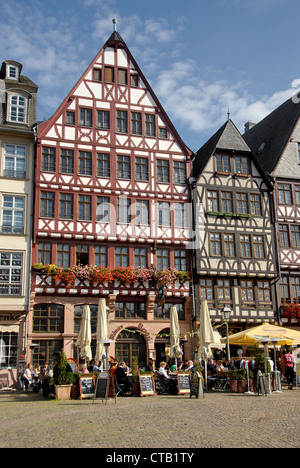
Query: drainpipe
274, 220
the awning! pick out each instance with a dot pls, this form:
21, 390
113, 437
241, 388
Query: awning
9, 328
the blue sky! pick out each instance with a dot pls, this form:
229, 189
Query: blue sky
200, 57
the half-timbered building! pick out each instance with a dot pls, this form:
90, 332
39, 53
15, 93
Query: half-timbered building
18, 113
275, 141
111, 190
234, 232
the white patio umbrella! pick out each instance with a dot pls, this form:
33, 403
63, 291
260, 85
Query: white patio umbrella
206, 334
101, 333
85, 335
174, 334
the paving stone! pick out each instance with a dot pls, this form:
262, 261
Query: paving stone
219, 420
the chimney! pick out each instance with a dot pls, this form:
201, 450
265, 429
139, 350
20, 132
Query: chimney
248, 125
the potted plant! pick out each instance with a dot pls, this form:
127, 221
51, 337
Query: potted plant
135, 385
233, 381
124, 275
241, 380
38, 267
63, 377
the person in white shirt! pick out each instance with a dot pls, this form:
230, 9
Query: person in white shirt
162, 370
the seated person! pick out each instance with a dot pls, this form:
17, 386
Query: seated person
150, 365
93, 368
121, 376
162, 370
212, 368
84, 369
113, 366
190, 366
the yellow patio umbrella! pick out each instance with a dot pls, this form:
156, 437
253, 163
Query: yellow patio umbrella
85, 335
283, 335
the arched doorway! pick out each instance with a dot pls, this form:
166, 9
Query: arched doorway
130, 344
162, 346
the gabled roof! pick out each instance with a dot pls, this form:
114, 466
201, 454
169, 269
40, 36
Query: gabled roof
227, 138
116, 40
269, 137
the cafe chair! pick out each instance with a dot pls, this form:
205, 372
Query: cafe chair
162, 385
119, 388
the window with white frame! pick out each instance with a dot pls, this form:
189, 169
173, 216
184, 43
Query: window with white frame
164, 215
14, 161
8, 349
17, 111
12, 72
13, 209
11, 274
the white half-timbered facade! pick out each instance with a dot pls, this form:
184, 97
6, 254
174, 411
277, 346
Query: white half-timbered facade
111, 190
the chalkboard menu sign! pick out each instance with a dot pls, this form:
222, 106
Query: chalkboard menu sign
147, 385
183, 381
86, 387
196, 386
102, 388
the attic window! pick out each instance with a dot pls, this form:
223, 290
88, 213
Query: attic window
108, 74
134, 81
122, 76
97, 74
222, 163
12, 72
241, 165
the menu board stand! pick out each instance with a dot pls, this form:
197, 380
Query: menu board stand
105, 388
86, 387
184, 383
147, 385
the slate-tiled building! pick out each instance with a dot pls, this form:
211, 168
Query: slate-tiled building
275, 141
234, 253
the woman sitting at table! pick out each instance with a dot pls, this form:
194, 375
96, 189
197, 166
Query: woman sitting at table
162, 370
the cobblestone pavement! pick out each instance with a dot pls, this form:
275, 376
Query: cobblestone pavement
219, 420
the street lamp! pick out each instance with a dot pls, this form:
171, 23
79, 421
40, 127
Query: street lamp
226, 311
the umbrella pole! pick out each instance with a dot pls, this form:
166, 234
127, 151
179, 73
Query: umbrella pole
248, 391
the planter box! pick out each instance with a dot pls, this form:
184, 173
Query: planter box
135, 389
233, 386
242, 386
74, 392
63, 392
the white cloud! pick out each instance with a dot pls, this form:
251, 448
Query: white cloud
202, 106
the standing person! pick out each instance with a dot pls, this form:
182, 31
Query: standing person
289, 363
27, 376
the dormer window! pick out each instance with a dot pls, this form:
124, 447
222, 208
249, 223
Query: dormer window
12, 72
17, 110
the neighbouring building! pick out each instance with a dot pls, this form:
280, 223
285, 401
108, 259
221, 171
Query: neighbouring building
275, 141
111, 190
234, 250
18, 114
